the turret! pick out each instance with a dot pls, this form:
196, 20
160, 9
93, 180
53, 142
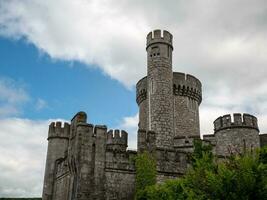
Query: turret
160, 86
236, 135
58, 139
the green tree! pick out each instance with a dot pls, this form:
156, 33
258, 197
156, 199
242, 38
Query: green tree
242, 177
145, 173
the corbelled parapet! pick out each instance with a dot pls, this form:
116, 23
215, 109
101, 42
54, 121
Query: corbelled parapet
239, 121
187, 85
183, 85
141, 90
57, 131
157, 37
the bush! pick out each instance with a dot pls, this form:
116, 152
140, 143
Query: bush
145, 173
241, 177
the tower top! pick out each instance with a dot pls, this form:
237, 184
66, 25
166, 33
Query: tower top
239, 121
156, 37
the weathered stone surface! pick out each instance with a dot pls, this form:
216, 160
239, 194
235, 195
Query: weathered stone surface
87, 162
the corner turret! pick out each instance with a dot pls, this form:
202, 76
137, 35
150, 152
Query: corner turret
58, 141
236, 135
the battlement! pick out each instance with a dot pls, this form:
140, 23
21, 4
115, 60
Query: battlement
239, 121
187, 85
117, 137
57, 131
156, 37
141, 90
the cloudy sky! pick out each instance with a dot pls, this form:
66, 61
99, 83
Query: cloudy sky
60, 57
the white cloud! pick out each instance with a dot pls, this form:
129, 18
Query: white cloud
23, 149
12, 96
223, 43
23, 152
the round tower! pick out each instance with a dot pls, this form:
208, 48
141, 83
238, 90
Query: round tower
237, 135
187, 98
159, 86
58, 140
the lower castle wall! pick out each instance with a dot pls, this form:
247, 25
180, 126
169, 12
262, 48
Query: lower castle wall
61, 187
120, 184
120, 175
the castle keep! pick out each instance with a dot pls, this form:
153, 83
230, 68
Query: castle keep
86, 161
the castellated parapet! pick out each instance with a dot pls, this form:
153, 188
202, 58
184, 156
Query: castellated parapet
239, 121
156, 37
86, 161
57, 131
117, 140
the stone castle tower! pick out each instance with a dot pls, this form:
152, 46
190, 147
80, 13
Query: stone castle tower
87, 162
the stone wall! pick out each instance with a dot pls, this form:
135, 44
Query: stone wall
263, 140
120, 175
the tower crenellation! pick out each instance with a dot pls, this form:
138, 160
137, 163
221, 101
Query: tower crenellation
157, 37
57, 131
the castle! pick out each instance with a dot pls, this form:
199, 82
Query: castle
87, 162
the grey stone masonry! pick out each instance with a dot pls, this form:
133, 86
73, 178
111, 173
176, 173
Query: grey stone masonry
159, 82
58, 138
91, 162
263, 140
237, 134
